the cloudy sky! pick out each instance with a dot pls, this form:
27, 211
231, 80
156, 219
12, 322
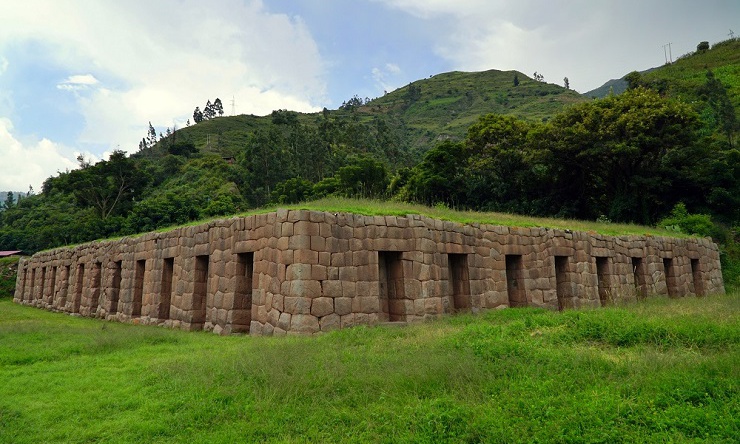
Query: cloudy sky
86, 77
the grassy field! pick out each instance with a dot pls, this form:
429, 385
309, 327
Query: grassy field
657, 371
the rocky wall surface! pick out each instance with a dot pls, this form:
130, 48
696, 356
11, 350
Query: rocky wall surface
304, 272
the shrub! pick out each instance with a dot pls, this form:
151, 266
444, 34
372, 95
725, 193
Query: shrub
680, 220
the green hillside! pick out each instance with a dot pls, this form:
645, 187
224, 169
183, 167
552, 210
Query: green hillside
684, 77
422, 113
442, 107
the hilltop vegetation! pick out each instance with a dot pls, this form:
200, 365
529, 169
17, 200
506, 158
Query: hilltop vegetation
404, 123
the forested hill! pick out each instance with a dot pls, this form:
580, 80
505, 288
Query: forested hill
406, 122
491, 140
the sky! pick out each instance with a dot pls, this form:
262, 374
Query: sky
83, 77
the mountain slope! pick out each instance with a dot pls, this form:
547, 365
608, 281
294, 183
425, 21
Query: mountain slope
426, 111
687, 74
447, 104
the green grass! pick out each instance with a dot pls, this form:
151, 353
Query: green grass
370, 207
392, 208
688, 73
658, 371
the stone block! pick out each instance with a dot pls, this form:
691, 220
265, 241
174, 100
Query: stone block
348, 274
349, 289
322, 306
343, 305
306, 257
318, 243
325, 258
284, 321
304, 323
337, 259
305, 288
303, 227
286, 229
297, 305
299, 242
283, 243
333, 273
255, 328
298, 271
330, 322
319, 273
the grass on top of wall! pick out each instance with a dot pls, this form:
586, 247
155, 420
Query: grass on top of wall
371, 207
393, 208
662, 370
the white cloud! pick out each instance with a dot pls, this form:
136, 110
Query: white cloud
386, 78
589, 42
78, 82
527, 36
29, 163
139, 61
3, 64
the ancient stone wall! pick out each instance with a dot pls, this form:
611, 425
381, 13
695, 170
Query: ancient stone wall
303, 272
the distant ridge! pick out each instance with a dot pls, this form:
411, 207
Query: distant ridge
616, 86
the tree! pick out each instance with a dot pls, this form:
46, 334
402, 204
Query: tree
197, 115
266, 162
516, 79
566, 83
351, 104
715, 94
218, 107
499, 172
284, 117
363, 177
151, 137
439, 177
413, 93
8, 204
622, 156
702, 46
108, 186
634, 80
209, 112
538, 77
292, 191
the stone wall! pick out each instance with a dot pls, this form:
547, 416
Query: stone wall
303, 272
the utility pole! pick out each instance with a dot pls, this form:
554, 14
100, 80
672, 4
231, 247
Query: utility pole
668, 53
233, 106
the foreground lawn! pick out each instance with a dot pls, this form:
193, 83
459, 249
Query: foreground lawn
658, 371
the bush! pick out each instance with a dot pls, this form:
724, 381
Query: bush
8, 273
680, 220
